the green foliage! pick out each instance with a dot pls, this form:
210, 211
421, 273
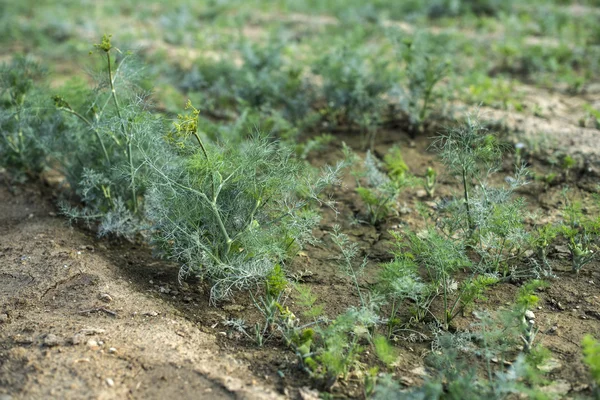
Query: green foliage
395, 165
112, 129
425, 68
541, 240
399, 280
308, 302
469, 153
430, 181
231, 213
526, 298
352, 88
24, 118
591, 353
579, 230
276, 281
380, 192
384, 350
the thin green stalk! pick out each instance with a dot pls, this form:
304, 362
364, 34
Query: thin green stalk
466, 196
123, 129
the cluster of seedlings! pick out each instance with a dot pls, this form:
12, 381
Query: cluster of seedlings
233, 205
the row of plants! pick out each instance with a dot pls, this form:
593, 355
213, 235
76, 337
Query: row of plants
228, 211
470, 243
232, 205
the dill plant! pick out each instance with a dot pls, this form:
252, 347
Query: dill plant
24, 117
107, 125
580, 231
471, 154
424, 68
379, 190
230, 213
353, 90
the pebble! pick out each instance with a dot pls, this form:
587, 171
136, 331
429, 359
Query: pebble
550, 365
110, 382
112, 350
76, 339
105, 297
3, 318
421, 193
151, 313
51, 340
92, 343
529, 314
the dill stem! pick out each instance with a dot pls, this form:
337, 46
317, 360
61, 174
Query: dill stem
122, 123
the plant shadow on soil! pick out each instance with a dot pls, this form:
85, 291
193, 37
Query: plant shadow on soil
90, 318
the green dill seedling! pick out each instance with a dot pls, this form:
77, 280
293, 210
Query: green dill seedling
567, 165
541, 240
430, 182
395, 165
442, 257
349, 252
24, 118
579, 231
353, 89
470, 153
231, 213
308, 303
380, 190
398, 281
424, 70
591, 353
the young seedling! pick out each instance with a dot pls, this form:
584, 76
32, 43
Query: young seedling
579, 230
424, 70
430, 182
380, 193
470, 153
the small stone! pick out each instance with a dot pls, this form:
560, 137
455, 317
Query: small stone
92, 331
112, 350
3, 318
561, 307
110, 382
529, 314
420, 371
187, 299
23, 339
421, 193
52, 340
105, 297
92, 343
76, 339
151, 313
234, 308
562, 249
550, 365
